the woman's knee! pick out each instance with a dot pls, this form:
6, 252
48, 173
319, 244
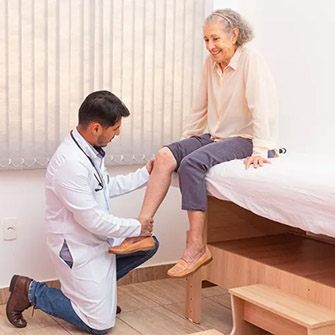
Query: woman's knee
165, 160
190, 164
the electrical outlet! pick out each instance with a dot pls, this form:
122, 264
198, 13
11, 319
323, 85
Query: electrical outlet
9, 229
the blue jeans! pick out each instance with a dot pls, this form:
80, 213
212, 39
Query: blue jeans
52, 301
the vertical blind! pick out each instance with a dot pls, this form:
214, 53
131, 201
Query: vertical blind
55, 52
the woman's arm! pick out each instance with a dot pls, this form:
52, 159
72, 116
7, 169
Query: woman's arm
262, 103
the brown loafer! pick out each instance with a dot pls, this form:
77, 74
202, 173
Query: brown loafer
18, 300
118, 309
126, 247
182, 269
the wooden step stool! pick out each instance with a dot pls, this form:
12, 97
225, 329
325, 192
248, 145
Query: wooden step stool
279, 313
208, 332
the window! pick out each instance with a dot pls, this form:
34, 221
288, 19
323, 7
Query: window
54, 53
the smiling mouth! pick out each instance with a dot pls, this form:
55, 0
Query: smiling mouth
216, 53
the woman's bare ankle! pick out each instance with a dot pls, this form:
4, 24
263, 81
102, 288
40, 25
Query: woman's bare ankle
193, 252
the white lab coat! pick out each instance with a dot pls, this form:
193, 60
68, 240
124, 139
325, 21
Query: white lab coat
78, 214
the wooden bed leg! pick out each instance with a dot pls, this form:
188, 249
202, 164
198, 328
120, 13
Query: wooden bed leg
241, 327
193, 297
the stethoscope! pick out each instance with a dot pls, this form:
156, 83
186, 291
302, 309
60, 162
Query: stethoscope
98, 177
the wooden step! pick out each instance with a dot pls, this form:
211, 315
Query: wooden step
274, 310
208, 332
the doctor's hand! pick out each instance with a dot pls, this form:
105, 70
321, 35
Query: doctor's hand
150, 165
146, 226
256, 161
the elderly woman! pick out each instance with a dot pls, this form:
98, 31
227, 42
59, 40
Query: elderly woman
237, 104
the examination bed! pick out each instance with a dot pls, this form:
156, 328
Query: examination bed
273, 225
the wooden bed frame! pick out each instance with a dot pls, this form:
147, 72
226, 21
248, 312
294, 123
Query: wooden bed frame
248, 249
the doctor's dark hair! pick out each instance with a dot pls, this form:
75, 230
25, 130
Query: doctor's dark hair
103, 107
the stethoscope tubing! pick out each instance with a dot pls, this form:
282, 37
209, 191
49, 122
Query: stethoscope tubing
99, 178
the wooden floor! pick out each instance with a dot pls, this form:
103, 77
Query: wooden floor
148, 308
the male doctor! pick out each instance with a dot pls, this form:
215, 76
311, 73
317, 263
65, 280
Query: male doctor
81, 228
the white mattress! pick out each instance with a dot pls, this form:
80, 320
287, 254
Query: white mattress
296, 189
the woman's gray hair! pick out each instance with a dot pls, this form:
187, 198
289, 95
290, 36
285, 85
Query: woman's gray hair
232, 19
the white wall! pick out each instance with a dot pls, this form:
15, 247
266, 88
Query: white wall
22, 196
296, 38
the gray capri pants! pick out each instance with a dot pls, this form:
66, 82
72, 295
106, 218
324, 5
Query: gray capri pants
196, 155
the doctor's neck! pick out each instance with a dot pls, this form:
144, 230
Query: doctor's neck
87, 133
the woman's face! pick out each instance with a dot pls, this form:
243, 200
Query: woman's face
220, 45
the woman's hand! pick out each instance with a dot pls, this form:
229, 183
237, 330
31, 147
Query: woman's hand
256, 161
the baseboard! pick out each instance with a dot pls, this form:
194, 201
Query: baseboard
138, 275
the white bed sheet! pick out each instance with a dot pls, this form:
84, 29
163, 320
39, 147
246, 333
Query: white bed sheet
296, 189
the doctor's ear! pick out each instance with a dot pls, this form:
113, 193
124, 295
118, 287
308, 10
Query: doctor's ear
95, 127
